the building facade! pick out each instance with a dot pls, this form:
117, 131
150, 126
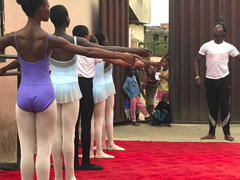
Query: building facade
139, 14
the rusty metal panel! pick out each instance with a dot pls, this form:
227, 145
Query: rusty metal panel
191, 24
115, 22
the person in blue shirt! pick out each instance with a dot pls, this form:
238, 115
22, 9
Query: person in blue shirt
131, 89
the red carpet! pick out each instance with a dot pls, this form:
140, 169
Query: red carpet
163, 161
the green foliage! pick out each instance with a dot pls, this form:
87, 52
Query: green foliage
158, 48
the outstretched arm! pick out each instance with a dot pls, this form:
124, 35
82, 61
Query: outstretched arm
61, 43
120, 62
13, 65
139, 51
198, 59
6, 40
150, 63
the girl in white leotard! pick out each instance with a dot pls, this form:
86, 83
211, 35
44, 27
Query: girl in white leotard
109, 105
65, 82
109, 102
99, 95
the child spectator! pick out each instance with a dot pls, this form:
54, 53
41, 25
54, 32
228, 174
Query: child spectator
131, 88
164, 74
150, 85
162, 112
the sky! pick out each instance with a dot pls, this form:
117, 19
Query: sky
159, 12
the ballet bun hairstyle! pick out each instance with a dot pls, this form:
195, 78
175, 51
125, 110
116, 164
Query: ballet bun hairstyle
93, 39
30, 6
100, 37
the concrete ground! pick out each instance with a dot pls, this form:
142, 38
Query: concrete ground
176, 133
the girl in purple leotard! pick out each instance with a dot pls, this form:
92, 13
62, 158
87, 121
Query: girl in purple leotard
36, 105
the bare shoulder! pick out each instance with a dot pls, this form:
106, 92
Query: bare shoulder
65, 36
56, 41
69, 38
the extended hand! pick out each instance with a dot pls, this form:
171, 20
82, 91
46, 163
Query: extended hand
143, 52
130, 58
146, 63
198, 83
140, 65
161, 76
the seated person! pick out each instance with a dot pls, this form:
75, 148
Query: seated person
162, 112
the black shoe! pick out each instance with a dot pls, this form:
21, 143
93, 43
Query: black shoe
88, 167
228, 138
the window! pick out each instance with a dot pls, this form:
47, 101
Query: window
155, 37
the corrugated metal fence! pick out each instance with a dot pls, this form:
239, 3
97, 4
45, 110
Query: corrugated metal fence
191, 25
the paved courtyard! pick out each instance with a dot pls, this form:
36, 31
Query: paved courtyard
176, 133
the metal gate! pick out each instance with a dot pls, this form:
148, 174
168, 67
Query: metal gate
115, 23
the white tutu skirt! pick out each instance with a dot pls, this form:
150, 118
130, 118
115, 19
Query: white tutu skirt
110, 87
66, 93
99, 93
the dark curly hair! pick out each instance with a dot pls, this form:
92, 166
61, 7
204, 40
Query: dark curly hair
30, 6
80, 31
58, 14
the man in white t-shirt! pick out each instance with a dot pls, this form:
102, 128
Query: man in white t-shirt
217, 83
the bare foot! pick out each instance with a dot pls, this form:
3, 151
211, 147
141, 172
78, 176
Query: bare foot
104, 156
115, 148
229, 138
209, 136
90, 156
